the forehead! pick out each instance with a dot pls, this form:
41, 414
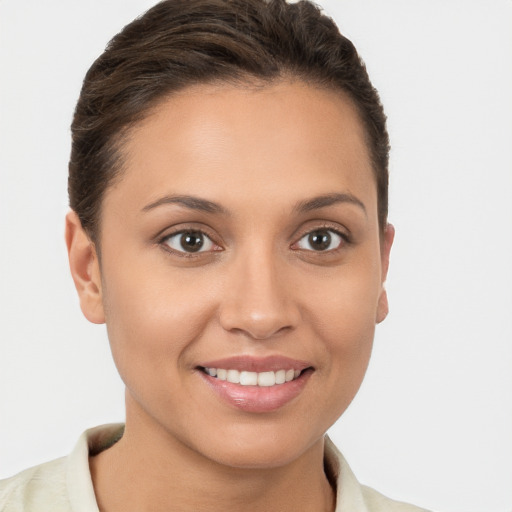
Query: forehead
225, 142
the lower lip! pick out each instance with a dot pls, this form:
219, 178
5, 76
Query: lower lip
257, 398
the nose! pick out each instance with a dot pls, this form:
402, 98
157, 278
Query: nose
258, 298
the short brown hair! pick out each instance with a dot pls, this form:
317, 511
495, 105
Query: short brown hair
179, 43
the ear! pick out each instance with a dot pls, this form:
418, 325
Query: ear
85, 269
386, 243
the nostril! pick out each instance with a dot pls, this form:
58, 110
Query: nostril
261, 332
258, 304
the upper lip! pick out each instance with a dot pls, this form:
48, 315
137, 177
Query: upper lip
257, 364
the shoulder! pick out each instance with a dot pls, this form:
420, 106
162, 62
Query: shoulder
62, 485
376, 502
36, 489
350, 494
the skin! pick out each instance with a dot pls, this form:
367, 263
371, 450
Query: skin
259, 290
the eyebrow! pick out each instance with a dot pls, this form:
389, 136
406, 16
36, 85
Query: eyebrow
203, 205
326, 200
190, 202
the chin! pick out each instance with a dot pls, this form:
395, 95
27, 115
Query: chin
259, 448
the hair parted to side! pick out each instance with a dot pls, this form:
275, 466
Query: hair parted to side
179, 43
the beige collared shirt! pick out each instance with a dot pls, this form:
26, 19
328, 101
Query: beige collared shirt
65, 485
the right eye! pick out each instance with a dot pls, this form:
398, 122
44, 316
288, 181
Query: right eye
189, 242
322, 240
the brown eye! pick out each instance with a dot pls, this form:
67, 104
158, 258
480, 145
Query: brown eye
189, 241
321, 240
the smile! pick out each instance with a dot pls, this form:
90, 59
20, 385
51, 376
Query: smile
248, 378
256, 385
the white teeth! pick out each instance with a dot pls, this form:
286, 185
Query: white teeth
248, 378
266, 379
245, 378
233, 376
281, 377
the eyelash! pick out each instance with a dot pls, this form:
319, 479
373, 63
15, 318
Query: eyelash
184, 254
344, 240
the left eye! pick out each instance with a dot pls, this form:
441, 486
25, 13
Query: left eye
320, 240
189, 241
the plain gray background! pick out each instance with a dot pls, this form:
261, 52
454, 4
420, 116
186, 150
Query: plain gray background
432, 423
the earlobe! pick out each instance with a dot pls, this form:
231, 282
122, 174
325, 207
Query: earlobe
85, 269
386, 243
382, 307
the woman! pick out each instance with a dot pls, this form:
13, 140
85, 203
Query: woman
228, 186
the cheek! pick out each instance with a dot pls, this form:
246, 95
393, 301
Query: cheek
342, 317
347, 327
348, 334
152, 318
343, 309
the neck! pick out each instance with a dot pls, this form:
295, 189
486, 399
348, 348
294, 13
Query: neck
151, 470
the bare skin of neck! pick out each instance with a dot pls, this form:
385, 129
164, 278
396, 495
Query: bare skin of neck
143, 476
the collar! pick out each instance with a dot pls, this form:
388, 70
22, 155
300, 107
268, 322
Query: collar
93, 441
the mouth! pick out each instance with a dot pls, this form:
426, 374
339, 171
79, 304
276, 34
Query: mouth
256, 385
249, 378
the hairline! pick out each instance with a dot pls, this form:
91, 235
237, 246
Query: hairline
242, 80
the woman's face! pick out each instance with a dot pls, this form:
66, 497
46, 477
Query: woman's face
243, 241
